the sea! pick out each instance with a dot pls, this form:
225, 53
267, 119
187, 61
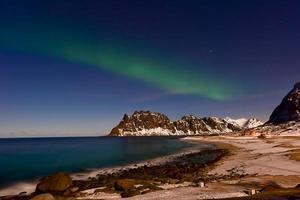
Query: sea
26, 159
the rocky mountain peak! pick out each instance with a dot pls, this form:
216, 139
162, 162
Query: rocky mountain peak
145, 123
189, 118
252, 122
297, 85
142, 120
245, 123
289, 108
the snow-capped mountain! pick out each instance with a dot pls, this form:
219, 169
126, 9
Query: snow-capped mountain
285, 119
289, 109
245, 123
146, 123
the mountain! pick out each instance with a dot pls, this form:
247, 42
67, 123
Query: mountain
289, 109
252, 123
288, 128
244, 123
285, 119
146, 123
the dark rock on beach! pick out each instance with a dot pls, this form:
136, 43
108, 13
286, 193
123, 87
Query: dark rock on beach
130, 193
58, 182
124, 184
46, 196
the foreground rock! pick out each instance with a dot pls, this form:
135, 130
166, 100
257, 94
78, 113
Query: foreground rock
144, 179
58, 182
124, 184
43, 197
289, 109
146, 123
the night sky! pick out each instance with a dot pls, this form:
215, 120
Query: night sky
70, 67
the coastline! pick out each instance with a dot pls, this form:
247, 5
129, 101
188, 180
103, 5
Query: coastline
30, 185
181, 170
267, 166
262, 165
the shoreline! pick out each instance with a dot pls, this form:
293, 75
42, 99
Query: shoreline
29, 186
161, 160
263, 166
268, 166
186, 169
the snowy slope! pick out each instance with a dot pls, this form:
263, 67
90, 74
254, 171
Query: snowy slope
244, 123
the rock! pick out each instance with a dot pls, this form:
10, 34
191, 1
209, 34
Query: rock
152, 187
43, 197
79, 194
130, 193
22, 193
140, 120
272, 186
70, 191
58, 182
298, 186
106, 190
124, 184
289, 108
172, 181
262, 136
73, 189
67, 193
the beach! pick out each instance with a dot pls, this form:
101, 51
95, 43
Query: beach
269, 166
268, 162
149, 152
238, 166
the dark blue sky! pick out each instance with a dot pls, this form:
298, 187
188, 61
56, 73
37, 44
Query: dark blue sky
75, 67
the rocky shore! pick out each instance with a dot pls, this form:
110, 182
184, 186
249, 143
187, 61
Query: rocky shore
238, 167
190, 168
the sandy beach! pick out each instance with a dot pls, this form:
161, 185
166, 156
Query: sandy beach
268, 166
260, 163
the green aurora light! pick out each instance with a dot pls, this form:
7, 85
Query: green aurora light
117, 58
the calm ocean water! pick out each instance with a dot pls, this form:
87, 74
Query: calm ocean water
30, 158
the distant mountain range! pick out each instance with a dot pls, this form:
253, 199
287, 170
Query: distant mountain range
146, 123
245, 123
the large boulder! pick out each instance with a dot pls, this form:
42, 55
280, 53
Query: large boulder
58, 182
46, 196
130, 193
125, 184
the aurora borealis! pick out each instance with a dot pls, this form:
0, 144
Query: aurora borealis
77, 66
117, 58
